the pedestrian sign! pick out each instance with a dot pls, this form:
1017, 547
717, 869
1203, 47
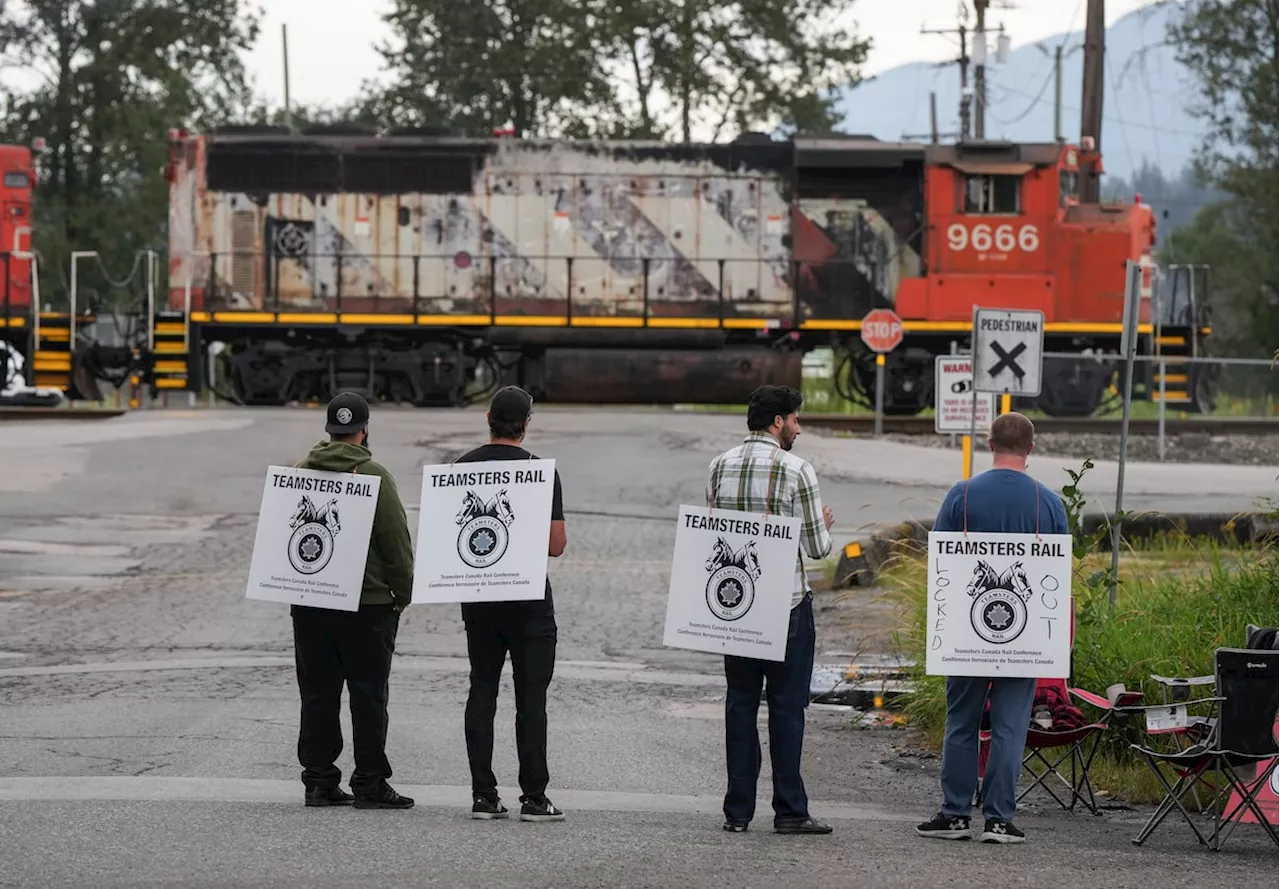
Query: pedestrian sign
1008, 346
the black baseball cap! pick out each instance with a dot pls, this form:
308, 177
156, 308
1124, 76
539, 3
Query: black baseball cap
347, 413
510, 404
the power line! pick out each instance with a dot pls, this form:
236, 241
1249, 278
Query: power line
1112, 119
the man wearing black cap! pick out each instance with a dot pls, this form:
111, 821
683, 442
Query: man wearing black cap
332, 646
527, 629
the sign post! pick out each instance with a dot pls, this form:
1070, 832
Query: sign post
732, 576
483, 530
999, 604
313, 538
1128, 345
882, 332
1008, 356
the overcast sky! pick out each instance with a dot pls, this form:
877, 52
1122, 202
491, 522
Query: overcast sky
331, 42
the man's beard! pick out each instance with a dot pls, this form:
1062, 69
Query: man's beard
787, 442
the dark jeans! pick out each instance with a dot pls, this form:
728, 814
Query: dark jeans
1011, 703
788, 698
531, 639
332, 647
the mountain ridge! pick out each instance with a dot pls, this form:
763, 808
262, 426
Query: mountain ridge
1146, 92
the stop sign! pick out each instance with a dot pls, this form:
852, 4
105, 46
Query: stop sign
882, 330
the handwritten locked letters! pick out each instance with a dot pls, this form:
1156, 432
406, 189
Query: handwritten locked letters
999, 605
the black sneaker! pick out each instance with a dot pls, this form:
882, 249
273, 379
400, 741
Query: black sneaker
383, 798
801, 825
488, 809
540, 810
945, 827
996, 831
734, 826
328, 796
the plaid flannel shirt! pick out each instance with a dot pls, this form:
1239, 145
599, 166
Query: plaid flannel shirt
740, 479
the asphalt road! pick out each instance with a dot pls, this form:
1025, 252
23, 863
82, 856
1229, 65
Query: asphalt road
148, 712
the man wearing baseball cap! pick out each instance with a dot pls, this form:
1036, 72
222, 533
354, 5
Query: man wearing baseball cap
332, 647
527, 629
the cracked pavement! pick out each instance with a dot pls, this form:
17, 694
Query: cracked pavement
150, 710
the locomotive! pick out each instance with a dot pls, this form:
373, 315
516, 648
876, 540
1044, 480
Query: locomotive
429, 267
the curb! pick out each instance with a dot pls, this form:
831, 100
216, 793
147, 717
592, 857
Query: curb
862, 559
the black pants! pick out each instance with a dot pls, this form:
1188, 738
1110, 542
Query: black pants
788, 697
331, 647
531, 639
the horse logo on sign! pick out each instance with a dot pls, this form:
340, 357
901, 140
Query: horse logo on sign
999, 611
311, 544
483, 538
731, 588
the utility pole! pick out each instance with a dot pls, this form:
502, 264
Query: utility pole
980, 71
975, 100
963, 62
284, 46
1059, 53
933, 135
1057, 93
1091, 102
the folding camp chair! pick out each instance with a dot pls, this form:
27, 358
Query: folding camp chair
1080, 743
1242, 736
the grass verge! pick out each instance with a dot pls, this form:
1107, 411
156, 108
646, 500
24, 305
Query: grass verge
1178, 599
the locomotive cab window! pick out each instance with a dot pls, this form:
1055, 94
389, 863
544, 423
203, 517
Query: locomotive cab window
991, 194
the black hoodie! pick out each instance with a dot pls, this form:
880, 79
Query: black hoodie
388, 573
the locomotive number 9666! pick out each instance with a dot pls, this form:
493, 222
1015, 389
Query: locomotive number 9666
986, 238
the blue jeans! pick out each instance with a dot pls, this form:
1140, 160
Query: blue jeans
1011, 701
788, 698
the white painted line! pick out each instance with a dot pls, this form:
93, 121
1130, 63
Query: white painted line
261, 790
582, 670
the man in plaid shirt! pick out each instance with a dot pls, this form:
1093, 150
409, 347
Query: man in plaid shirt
761, 475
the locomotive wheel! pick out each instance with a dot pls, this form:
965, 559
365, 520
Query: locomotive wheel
1072, 388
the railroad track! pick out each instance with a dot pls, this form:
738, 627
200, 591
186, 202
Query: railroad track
1104, 425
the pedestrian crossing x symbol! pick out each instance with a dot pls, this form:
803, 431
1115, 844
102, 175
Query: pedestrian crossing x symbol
1007, 360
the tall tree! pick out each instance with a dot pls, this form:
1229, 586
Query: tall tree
733, 65
1231, 48
533, 64
109, 79
1244, 311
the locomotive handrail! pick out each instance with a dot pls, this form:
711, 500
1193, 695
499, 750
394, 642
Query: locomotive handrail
35, 281
76, 256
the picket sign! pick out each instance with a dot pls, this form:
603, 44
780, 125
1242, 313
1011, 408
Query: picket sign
483, 529
313, 537
999, 605
732, 576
